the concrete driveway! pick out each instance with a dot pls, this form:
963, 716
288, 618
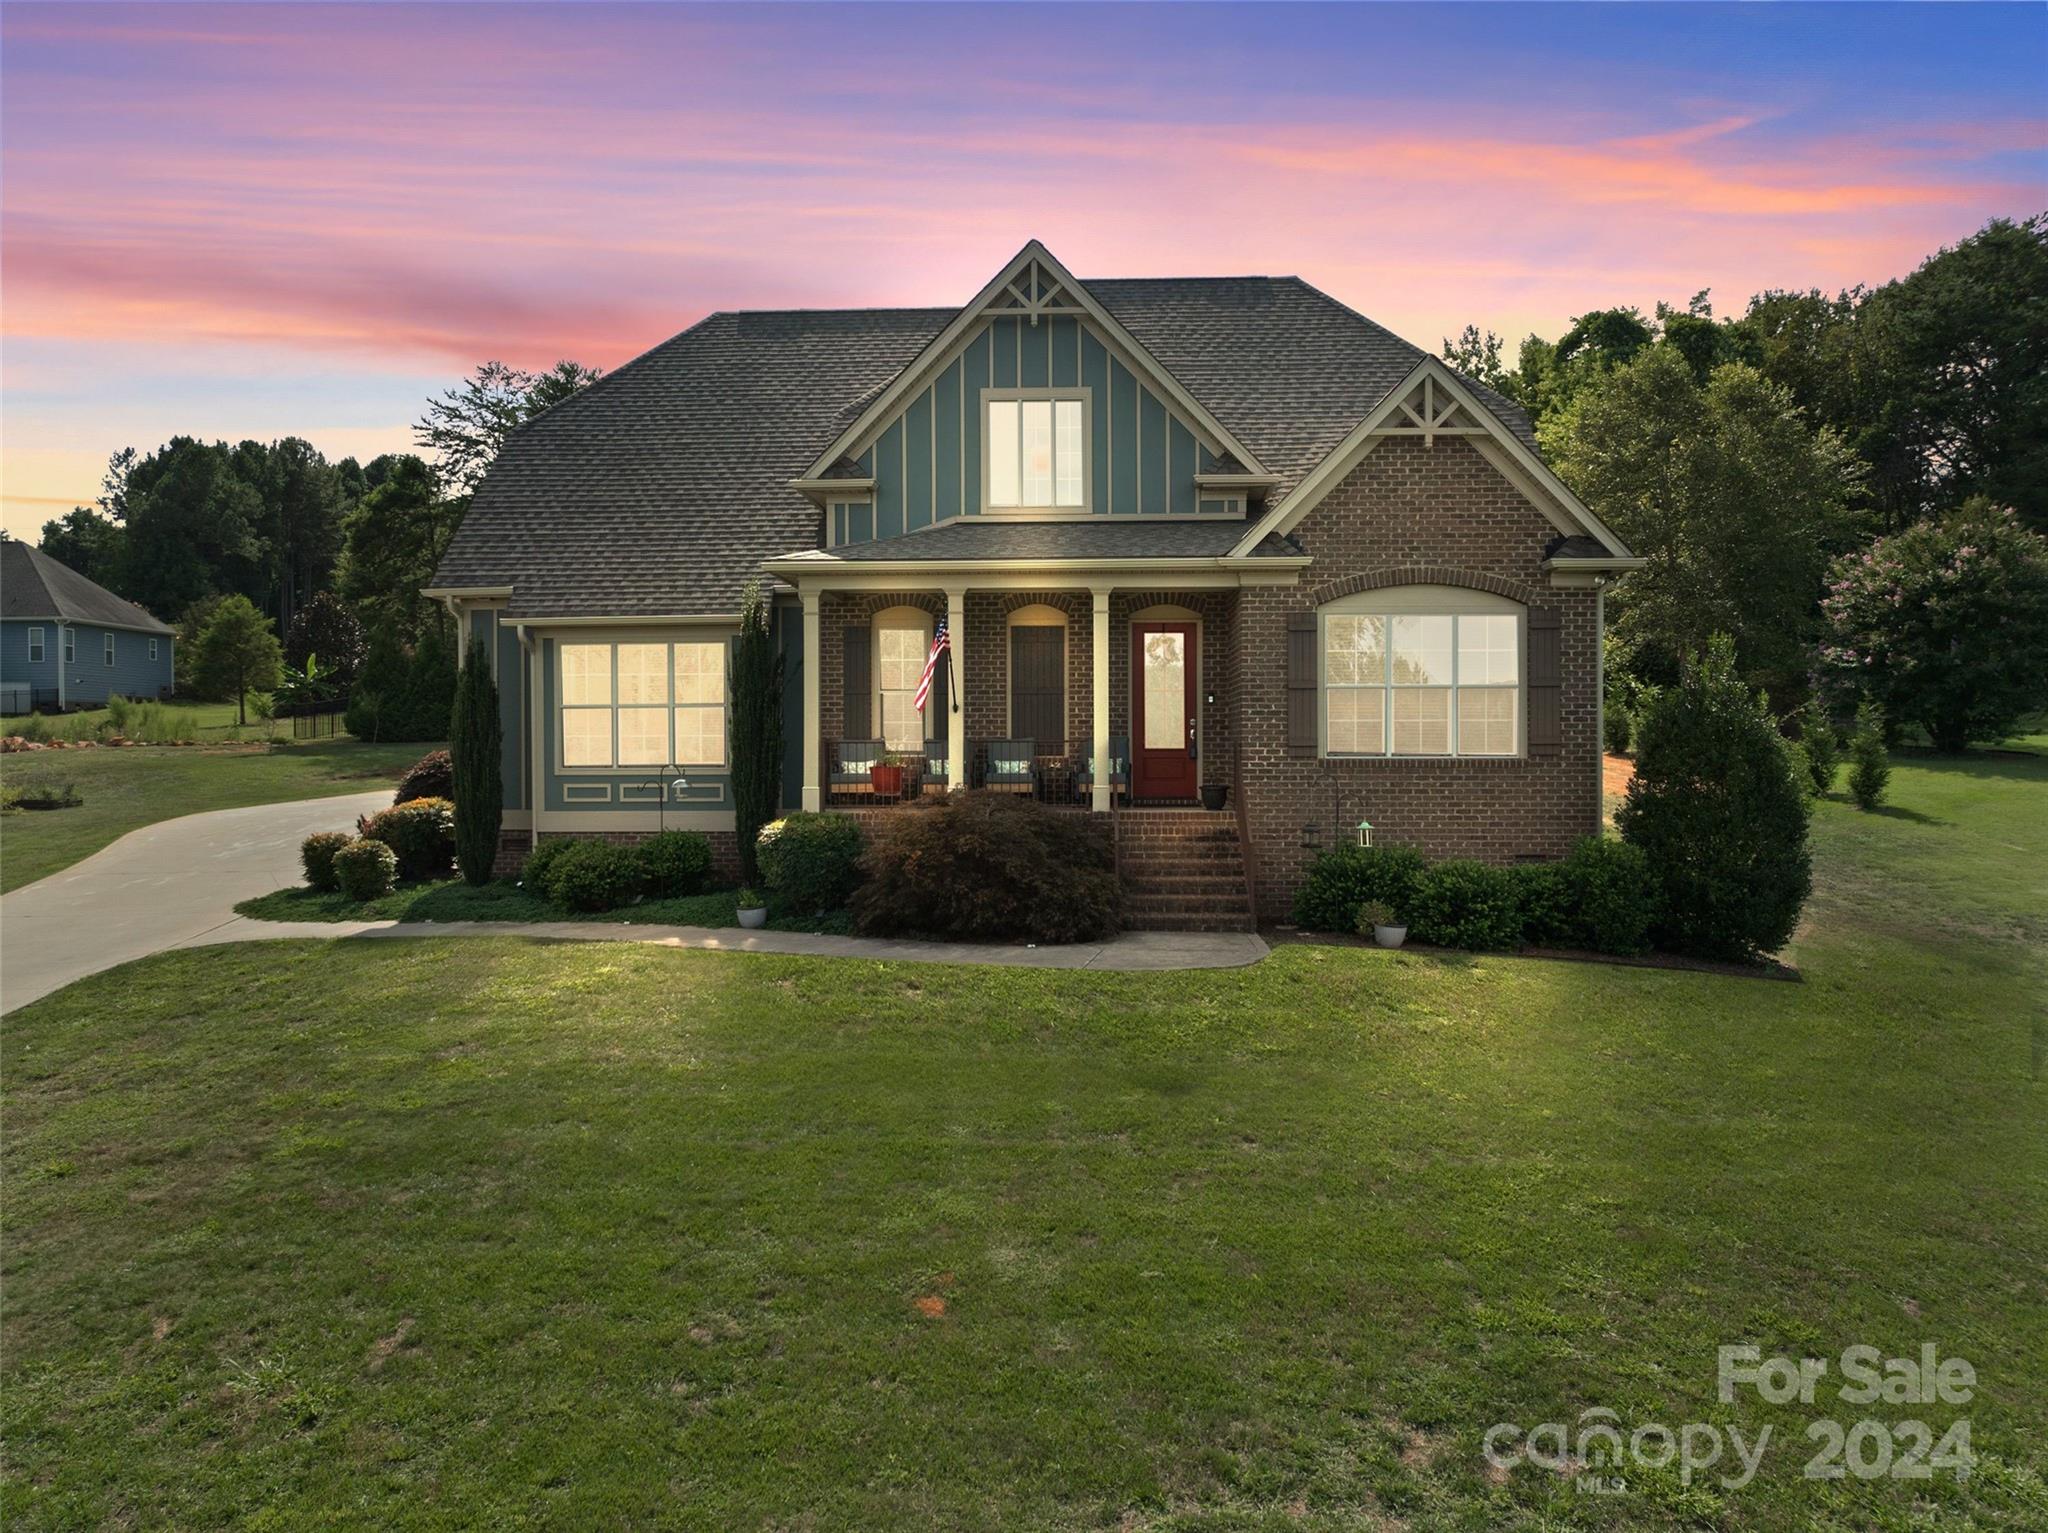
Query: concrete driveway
163, 886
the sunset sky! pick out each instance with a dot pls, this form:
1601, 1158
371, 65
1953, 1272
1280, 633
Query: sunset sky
261, 221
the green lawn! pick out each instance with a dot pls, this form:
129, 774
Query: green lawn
495, 1232
201, 721
129, 788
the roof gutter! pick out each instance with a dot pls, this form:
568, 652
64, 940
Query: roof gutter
801, 565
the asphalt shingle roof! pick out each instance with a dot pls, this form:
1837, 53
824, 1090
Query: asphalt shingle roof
1103, 539
660, 489
33, 585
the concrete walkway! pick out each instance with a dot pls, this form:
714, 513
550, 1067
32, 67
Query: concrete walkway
155, 888
175, 884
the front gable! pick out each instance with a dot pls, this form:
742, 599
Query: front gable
919, 454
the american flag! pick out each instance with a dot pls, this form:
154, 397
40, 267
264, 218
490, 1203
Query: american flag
931, 665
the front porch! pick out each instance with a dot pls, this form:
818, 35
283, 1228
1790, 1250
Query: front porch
1088, 698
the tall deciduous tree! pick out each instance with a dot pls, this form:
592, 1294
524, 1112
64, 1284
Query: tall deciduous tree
237, 652
1944, 625
327, 629
475, 740
465, 427
755, 685
1732, 497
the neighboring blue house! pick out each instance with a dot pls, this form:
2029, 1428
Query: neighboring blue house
67, 643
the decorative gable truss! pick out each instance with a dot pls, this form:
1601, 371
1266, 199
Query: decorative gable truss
915, 455
1432, 402
1035, 291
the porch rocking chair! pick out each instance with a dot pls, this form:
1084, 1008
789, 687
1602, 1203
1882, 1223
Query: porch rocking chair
850, 766
1011, 766
1119, 766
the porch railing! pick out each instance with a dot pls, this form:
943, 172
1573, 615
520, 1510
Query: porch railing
863, 774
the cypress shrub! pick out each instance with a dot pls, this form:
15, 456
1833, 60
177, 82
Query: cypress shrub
429, 697
1715, 809
754, 684
475, 742
377, 699
1870, 766
1823, 749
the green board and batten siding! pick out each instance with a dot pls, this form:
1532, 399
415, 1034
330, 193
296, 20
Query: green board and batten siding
926, 461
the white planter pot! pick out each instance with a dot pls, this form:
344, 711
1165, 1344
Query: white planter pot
1390, 936
754, 919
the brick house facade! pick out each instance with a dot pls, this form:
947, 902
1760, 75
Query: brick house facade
1357, 592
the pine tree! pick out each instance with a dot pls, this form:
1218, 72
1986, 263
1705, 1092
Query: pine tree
1823, 750
755, 684
475, 740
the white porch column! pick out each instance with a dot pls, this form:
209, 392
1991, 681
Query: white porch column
956, 724
1102, 786
814, 745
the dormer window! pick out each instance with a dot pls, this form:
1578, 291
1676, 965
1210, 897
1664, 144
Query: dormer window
1035, 450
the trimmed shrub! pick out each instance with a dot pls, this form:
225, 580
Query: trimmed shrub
1462, 903
1339, 882
1544, 898
316, 856
810, 862
1608, 895
674, 863
421, 832
1870, 765
432, 776
1374, 914
1715, 809
540, 862
365, 869
475, 746
987, 866
594, 875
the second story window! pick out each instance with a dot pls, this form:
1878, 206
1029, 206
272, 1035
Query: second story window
1037, 453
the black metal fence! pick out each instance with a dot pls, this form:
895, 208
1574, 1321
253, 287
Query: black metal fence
316, 726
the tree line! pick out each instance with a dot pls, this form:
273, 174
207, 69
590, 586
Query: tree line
323, 561
1852, 488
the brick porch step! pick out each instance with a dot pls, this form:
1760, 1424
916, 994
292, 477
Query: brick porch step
1181, 871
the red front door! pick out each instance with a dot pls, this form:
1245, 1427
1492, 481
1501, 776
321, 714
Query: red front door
1163, 710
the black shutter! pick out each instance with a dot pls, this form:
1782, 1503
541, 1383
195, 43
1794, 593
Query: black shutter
1301, 681
858, 666
1546, 682
1038, 701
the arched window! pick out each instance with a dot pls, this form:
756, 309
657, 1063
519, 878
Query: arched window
903, 637
1423, 671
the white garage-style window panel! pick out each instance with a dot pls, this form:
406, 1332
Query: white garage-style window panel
1035, 450
648, 703
1422, 671
903, 638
